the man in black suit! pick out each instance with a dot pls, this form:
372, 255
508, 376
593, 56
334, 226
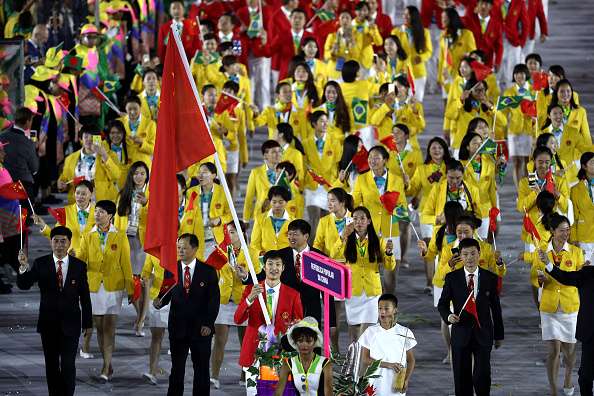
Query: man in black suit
194, 307
471, 339
62, 280
584, 332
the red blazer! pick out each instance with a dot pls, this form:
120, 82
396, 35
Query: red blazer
190, 38
384, 24
254, 45
288, 310
491, 42
212, 11
431, 11
281, 22
536, 10
282, 47
516, 23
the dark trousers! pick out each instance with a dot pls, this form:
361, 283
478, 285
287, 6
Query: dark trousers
200, 359
59, 351
465, 376
586, 372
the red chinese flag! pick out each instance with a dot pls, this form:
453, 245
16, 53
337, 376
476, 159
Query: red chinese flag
182, 139
76, 181
549, 182
226, 103
59, 214
471, 308
389, 200
540, 81
411, 79
22, 221
360, 160
528, 107
13, 190
98, 94
193, 196
318, 179
390, 143
226, 238
217, 259
530, 227
167, 284
493, 213
481, 71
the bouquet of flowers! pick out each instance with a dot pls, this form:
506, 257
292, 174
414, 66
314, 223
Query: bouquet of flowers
346, 381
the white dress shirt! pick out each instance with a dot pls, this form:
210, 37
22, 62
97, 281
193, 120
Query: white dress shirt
475, 279
192, 266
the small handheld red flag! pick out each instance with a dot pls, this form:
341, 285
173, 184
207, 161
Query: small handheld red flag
217, 259
390, 143
318, 179
389, 200
226, 103
13, 190
167, 285
137, 288
528, 107
471, 308
549, 182
530, 227
411, 80
22, 221
226, 238
59, 214
540, 80
493, 213
481, 71
191, 201
360, 160
76, 181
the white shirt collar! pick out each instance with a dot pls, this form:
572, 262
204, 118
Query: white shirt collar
192, 265
486, 19
64, 260
299, 34
111, 228
285, 214
225, 37
295, 252
551, 249
275, 288
88, 209
475, 273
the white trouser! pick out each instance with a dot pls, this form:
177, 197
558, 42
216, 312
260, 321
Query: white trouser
528, 48
389, 8
511, 57
259, 69
274, 74
431, 64
483, 231
420, 88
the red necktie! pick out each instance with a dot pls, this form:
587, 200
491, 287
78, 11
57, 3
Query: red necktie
187, 280
298, 266
470, 282
59, 275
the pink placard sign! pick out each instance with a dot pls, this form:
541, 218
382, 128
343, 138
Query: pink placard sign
326, 275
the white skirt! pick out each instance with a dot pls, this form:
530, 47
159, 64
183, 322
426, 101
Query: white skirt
588, 249
520, 145
436, 294
361, 309
426, 230
232, 162
157, 317
226, 314
558, 326
106, 302
317, 197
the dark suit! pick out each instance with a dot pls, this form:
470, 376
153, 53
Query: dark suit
584, 281
310, 296
62, 315
187, 315
468, 339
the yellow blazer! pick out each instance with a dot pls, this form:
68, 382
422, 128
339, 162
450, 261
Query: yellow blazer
327, 234
555, 295
365, 193
257, 189
385, 117
296, 206
464, 44
421, 186
295, 157
484, 182
543, 101
72, 223
410, 157
152, 269
325, 165
571, 144
147, 130
123, 164
437, 199
263, 237
582, 229
577, 123
145, 109
362, 90
333, 129
230, 285
110, 265
460, 119
271, 118
352, 53
365, 275
487, 261
455, 92
121, 222
192, 221
419, 70
107, 175
527, 201
518, 123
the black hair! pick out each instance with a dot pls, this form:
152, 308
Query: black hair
479, 54
269, 144
542, 140
231, 86
533, 56
350, 70
558, 71
382, 150
148, 71
470, 219
225, 46
306, 41
373, 246
403, 128
343, 197
280, 85
227, 61
87, 183
22, 115
342, 118
555, 99
289, 169
119, 125
584, 159
455, 23
315, 116
545, 202
389, 297
521, 68
305, 332
468, 87
191, 238
273, 255
132, 99
206, 87
451, 210
209, 36
310, 85
279, 191
468, 243
244, 226
127, 193
107, 205
400, 52
301, 226
553, 221
444, 146
418, 31
295, 10
360, 5
473, 124
464, 153
61, 231
286, 131
541, 150
350, 146
454, 165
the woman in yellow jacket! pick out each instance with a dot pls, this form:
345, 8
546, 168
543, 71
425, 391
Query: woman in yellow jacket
357, 94
131, 217
331, 226
305, 93
416, 42
544, 97
140, 131
93, 163
397, 60
207, 57
404, 158
574, 116
334, 105
363, 251
296, 204
271, 227
318, 67
116, 146
559, 303
454, 43
480, 170
106, 251
582, 231
559, 166
150, 96
282, 111
342, 46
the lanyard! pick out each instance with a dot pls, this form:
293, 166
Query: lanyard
362, 248
310, 370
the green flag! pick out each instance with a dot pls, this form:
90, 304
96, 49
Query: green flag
283, 181
489, 147
359, 108
325, 15
509, 102
400, 213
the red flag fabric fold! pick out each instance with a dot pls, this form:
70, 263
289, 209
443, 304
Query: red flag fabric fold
481, 71
217, 259
471, 308
318, 179
13, 190
528, 107
226, 238
493, 213
182, 139
540, 81
360, 160
549, 182
411, 80
389, 200
59, 214
390, 143
530, 227
226, 103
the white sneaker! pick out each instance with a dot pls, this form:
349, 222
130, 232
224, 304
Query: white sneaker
150, 378
216, 383
569, 391
85, 355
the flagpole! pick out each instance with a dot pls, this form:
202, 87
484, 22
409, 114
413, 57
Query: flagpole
495, 115
28, 199
494, 243
222, 179
109, 102
261, 14
279, 177
467, 299
415, 231
21, 224
476, 152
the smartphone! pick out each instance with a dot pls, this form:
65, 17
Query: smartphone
97, 140
532, 179
33, 135
455, 251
